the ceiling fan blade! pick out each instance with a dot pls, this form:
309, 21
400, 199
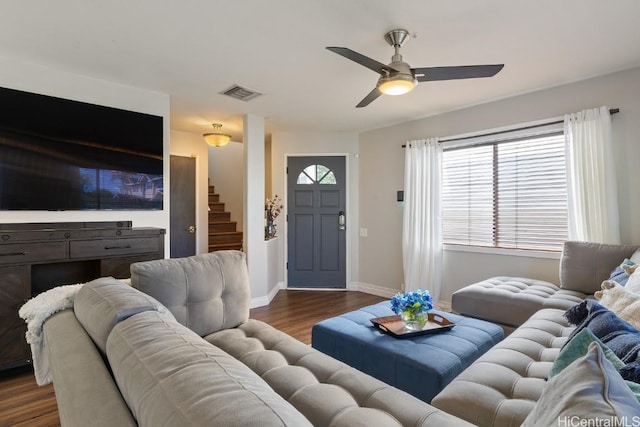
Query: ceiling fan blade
453, 73
371, 64
372, 96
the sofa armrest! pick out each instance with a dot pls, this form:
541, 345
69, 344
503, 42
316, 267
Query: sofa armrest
85, 390
584, 265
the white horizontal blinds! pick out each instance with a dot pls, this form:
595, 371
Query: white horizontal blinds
467, 196
506, 190
531, 194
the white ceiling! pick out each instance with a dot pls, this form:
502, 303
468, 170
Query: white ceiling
193, 49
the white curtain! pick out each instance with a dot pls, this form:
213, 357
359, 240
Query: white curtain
591, 177
422, 225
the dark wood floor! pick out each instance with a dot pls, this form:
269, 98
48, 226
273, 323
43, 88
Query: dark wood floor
23, 403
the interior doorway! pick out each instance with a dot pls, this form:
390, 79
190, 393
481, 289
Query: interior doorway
182, 214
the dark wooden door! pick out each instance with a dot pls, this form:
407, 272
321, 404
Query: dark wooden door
316, 222
183, 206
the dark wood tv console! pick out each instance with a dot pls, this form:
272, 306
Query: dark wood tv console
36, 257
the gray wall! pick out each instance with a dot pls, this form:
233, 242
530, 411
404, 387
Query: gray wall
382, 174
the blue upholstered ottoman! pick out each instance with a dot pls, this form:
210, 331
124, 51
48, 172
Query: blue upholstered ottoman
421, 365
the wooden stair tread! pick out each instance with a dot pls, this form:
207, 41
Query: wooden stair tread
225, 246
216, 207
223, 233
226, 238
218, 226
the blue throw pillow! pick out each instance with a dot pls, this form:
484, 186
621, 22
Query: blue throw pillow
578, 346
619, 275
622, 338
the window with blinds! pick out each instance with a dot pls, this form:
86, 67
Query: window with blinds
506, 194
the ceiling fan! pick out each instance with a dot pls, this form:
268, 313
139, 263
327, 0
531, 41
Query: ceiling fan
398, 77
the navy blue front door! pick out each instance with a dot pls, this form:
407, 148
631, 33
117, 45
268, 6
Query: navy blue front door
316, 222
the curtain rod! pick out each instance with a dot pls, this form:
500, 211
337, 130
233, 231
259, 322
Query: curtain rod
611, 111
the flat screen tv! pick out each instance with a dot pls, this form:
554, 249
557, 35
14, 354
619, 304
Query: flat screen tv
58, 154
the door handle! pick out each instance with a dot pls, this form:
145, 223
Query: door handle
191, 229
341, 221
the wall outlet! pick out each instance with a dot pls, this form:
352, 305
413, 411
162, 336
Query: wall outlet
363, 232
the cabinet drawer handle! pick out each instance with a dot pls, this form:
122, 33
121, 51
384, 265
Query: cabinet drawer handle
14, 253
117, 247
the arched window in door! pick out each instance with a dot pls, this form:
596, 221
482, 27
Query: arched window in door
316, 174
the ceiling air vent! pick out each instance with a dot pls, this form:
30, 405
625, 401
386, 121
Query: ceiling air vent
241, 93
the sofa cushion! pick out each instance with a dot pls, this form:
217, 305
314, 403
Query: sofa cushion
584, 265
619, 275
102, 303
621, 337
623, 303
327, 391
169, 376
578, 346
502, 386
206, 293
511, 300
633, 283
589, 388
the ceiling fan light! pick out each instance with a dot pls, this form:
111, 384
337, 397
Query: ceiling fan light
217, 139
396, 85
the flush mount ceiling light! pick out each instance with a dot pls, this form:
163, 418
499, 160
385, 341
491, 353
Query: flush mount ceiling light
217, 139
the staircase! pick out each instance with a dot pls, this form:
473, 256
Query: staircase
222, 231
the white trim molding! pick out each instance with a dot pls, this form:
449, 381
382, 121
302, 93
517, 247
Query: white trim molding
503, 251
266, 300
372, 289
384, 292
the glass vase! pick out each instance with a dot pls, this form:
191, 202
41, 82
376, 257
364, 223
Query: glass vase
414, 321
270, 226
269, 230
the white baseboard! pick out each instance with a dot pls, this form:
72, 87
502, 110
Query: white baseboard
443, 305
259, 302
262, 301
372, 289
367, 288
381, 291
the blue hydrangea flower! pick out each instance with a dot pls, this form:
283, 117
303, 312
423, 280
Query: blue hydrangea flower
412, 302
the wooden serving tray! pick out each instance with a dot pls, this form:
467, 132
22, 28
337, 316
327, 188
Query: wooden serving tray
394, 326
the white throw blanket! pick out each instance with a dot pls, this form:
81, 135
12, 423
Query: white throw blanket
35, 312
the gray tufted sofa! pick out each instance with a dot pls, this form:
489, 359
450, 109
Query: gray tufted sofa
510, 301
502, 387
180, 350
